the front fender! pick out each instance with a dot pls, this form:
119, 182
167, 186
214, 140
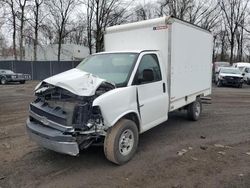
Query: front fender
117, 103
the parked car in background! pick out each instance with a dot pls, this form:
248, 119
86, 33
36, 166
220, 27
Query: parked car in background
241, 65
216, 67
246, 74
9, 76
230, 76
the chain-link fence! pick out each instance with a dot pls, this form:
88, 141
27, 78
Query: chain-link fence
38, 70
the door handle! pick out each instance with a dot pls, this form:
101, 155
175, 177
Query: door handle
164, 87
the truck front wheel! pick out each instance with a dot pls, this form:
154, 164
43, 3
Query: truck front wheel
194, 110
121, 142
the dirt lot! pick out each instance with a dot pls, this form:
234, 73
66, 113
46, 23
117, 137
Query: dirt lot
216, 149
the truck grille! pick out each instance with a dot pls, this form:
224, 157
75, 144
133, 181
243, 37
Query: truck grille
231, 79
56, 115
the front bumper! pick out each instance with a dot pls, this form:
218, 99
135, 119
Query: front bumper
231, 82
52, 139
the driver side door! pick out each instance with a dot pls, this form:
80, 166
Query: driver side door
151, 92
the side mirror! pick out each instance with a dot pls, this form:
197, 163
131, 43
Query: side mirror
148, 75
243, 74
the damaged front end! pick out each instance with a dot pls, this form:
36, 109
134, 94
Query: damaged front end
65, 122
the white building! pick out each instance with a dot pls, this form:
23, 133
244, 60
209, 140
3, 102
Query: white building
69, 52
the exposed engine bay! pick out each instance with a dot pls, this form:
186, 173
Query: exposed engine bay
69, 113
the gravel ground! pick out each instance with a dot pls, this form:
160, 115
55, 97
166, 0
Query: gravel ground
212, 152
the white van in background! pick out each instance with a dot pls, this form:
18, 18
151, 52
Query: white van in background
244, 67
246, 74
241, 65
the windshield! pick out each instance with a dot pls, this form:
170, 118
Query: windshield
230, 71
113, 67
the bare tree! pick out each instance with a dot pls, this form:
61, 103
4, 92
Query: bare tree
2, 13
210, 20
145, 11
233, 14
36, 9
100, 14
90, 14
140, 12
48, 33
60, 11
2, 38
240, 36
176, 8
223, 35
199, 12
79, 31
21, 16
204, 13
11, 6
162, 7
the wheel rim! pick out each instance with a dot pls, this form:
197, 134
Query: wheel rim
126, 142
3, 81
197, 109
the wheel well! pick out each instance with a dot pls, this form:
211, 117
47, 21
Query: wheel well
198, 97
3, 77
133, 117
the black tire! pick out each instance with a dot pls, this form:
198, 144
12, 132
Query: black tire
194, 110
3, 80
114, 143
22, 82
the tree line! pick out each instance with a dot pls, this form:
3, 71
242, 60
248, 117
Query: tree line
83, 22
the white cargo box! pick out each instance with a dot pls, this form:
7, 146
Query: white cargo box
185, 49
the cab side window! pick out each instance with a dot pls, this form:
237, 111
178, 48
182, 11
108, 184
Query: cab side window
148, 71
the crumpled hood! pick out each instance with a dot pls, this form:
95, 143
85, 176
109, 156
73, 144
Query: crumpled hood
76, 81
233, 75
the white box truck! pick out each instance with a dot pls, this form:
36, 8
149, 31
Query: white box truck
148, 69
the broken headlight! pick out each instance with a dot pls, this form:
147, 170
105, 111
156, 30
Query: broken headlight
86, 116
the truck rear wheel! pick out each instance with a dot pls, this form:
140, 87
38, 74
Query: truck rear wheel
121, 142
22, 82
194, 110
